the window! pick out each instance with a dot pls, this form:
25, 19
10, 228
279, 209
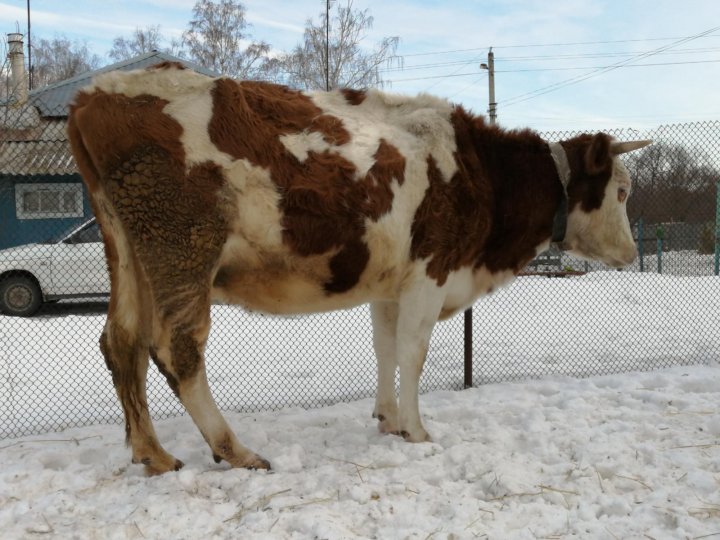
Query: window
45, 201
87, 235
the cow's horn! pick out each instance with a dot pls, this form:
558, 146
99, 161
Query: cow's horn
617, 148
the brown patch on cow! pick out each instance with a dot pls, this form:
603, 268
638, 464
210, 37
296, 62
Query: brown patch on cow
332, 129
591, 169
167, 64
169, 377
121, 352
135, 122
324, 204
178, 253
224, 449
186, 355
347, 265
353, 97
258, 112
389, 165
497, 207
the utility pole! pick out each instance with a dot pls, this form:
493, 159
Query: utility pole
490, 66
30, 67
467, 330
327, 45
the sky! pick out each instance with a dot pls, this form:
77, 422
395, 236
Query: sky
565, 64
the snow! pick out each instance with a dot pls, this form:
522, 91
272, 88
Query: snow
632, 455
619, 456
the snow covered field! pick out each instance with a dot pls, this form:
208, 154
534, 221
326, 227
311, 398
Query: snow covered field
633, 455
52, 375
622, 456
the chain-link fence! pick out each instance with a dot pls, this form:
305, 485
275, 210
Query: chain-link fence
584, 320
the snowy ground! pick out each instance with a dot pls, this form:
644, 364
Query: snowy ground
52, 375
621, 456
634, 455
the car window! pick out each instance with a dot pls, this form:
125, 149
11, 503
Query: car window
90, 234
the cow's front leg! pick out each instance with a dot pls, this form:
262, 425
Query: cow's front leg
384, 321
417, 316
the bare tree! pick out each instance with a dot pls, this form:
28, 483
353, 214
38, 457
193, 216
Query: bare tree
59, 59
673, 183
217, 38
347, 63
143, 40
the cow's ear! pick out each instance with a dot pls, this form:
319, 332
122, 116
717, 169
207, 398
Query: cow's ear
597, 156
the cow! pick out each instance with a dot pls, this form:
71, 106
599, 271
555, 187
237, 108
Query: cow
287, 202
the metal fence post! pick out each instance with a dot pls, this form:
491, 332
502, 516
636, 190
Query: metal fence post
717, 228
468, 349
641, 243
660, 233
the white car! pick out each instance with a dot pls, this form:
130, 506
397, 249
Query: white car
70, 266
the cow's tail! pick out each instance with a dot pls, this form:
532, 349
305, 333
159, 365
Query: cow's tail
83, 159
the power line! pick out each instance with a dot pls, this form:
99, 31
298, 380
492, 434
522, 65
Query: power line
551, 45
544, 58
604, 67
555, 69
575, 80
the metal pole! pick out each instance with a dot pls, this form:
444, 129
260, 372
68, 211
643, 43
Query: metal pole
467, 334
641, 243
467, 367
660, 233
717, 228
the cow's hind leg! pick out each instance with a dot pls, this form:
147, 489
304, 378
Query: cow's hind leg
179, 353
384, 321
124, 344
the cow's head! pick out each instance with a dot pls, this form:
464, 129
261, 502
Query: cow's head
598, 190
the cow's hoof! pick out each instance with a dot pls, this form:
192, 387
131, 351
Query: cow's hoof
251, 461
387, 424
418, 436
386, 427
154, 466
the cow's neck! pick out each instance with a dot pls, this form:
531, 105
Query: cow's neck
526, 194
561, 214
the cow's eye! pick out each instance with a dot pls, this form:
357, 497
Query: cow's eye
622, 194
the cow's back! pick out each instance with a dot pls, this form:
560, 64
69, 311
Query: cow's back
311, 198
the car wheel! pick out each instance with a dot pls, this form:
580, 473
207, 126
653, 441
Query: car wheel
20, 296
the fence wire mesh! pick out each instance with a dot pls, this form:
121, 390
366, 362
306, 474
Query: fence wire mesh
563, 316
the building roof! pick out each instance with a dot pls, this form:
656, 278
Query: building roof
33, 138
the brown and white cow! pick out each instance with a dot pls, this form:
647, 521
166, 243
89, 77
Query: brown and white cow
287, 202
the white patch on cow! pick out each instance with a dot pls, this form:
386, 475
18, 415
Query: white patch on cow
257, 201
189, 103
384, 317
300, 144
168, 84
419, 306
464, 286
193, 113
125, 282
604, 234
417, 126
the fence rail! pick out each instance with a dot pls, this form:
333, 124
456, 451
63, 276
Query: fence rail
659, 312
